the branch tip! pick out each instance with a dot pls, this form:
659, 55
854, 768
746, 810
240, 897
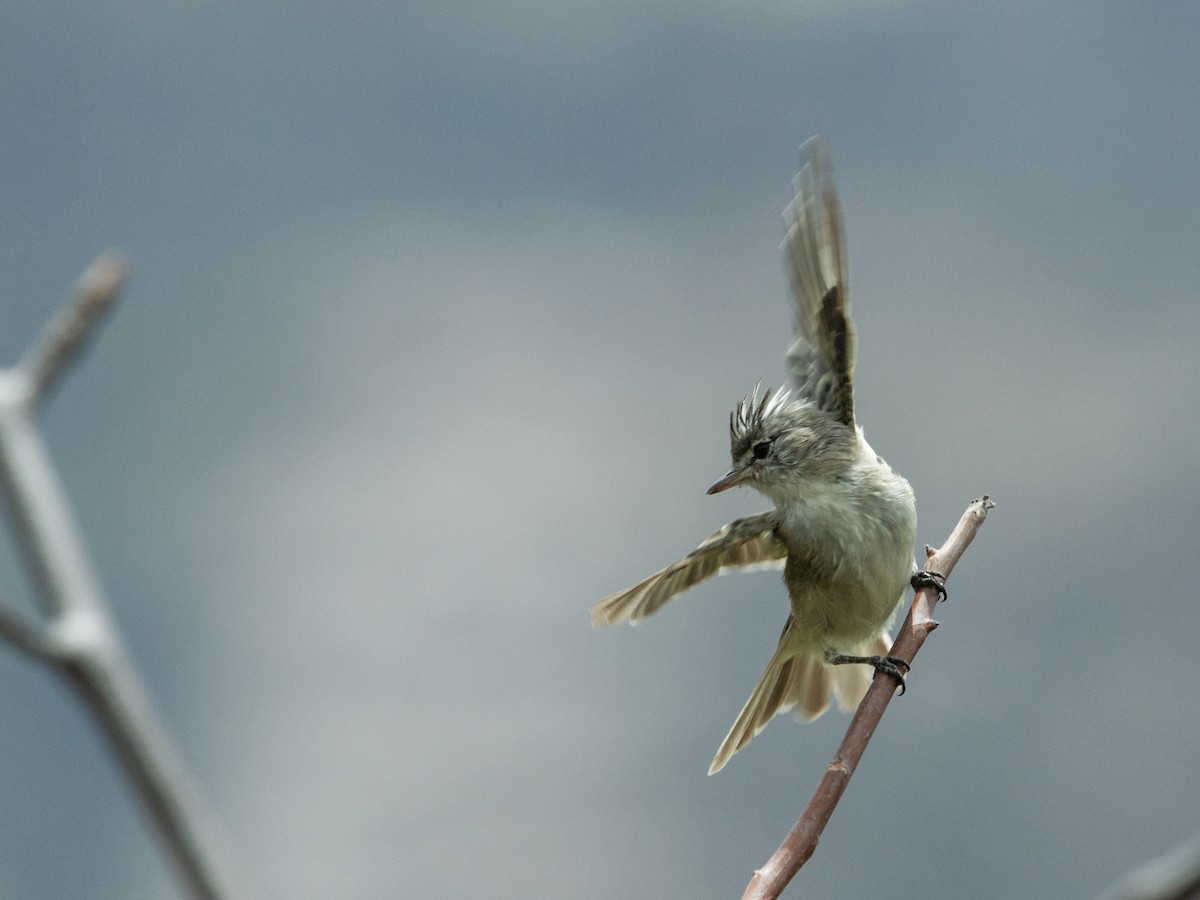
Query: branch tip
65, 335
104, 277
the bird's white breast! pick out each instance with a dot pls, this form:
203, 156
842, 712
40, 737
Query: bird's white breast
850, 544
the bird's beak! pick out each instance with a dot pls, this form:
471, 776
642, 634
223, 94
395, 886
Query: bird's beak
733, 479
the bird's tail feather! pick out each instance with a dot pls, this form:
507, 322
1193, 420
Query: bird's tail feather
797, 680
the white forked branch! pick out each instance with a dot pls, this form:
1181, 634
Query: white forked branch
76, 635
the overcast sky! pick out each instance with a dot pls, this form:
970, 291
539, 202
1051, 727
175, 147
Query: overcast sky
437, 315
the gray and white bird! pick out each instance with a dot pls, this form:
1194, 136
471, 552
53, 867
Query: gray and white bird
844, 523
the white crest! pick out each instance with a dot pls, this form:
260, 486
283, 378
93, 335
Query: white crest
751, 411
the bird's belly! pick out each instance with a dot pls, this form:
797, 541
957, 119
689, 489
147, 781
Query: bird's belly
846, 582
840, 615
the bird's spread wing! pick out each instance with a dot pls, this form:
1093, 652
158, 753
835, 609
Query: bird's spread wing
743, 544
821, 357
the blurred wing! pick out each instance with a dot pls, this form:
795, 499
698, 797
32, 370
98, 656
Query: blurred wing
744, 544
821, 357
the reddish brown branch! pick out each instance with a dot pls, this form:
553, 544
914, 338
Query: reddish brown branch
769, 881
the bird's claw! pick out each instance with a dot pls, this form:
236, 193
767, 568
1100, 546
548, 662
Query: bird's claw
927, 579
888, 665
891, 665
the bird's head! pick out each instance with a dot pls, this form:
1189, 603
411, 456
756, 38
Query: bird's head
781, 445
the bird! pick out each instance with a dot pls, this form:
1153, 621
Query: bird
843, 523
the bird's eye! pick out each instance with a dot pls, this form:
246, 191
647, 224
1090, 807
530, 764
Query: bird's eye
762, 449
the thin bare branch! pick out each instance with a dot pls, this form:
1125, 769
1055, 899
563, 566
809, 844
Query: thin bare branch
66, 334
25, 636
111, 689
769, 881
77, 636
1173, 876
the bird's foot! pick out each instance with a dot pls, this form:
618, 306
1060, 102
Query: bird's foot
927, 579
888, 665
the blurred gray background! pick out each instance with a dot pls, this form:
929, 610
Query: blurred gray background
437, 315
